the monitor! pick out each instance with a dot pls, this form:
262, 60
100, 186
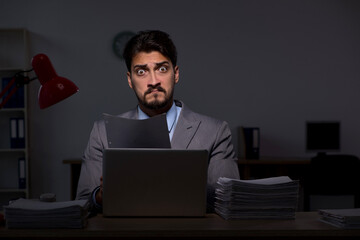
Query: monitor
322, 137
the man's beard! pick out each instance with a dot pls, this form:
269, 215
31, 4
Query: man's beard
156, 104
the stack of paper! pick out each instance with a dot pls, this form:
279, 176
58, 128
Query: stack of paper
270, 198
29, 213
343, 218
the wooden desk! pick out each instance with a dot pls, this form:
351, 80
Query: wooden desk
306, 226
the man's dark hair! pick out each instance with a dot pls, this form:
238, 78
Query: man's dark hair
148, 41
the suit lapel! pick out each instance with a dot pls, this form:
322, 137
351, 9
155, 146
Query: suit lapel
185, 129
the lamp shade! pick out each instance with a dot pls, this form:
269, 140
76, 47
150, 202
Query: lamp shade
53, 87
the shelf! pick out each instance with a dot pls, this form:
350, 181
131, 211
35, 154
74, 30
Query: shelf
14, 58
12, 110
11, 150
12, 69
12, 190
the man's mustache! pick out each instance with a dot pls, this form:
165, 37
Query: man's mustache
158, 88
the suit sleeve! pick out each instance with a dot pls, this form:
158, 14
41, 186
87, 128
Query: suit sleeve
91, 167
222, 162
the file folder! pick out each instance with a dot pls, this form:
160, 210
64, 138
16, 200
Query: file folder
17, 133
21, 133
11, 103
16, 100
13, 133
22, 173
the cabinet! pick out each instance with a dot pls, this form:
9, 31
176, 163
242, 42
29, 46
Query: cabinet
14, 149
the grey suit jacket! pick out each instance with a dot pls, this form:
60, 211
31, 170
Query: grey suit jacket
193, 131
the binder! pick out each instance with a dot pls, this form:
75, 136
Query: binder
17, 133
18, 99
21, 133
13, 132
12, 101
249, 142
22, 173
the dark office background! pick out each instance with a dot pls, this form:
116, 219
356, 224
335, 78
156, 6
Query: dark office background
267, 64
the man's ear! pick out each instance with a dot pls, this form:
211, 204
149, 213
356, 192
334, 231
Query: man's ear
129, 79
176, 74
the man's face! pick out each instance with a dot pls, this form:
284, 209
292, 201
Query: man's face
153, 77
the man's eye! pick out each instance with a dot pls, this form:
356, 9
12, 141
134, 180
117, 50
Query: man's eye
163, 69
140, 72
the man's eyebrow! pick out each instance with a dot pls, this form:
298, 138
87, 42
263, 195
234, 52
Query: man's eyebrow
162, 63
145, 65
140, 66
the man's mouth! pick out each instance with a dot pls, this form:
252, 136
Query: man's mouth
155, 90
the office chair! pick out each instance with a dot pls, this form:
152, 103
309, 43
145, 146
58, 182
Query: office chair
333, 182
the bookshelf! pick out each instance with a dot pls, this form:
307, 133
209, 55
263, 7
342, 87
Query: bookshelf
14, 156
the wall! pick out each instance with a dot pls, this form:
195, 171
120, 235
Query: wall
271, 64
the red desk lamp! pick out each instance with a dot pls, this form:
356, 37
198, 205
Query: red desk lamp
53, 88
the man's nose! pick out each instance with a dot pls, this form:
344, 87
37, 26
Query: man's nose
153, 80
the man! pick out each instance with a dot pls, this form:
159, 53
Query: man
150, 58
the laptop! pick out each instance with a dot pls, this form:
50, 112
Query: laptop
148, 182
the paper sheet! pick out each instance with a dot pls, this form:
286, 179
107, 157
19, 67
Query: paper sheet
133, 133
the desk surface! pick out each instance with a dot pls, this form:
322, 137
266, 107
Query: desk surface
262, 161
306, 225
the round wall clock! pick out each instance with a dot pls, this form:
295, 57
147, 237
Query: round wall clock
120, 41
